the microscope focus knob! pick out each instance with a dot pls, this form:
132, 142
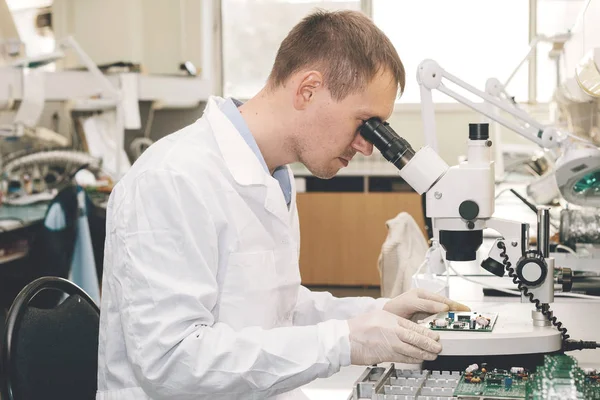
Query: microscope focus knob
468, 210
565, 277
532, 270
493, 266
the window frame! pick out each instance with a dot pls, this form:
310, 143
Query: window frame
367, 8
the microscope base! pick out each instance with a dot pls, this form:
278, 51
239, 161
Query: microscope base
512, 335
460, 363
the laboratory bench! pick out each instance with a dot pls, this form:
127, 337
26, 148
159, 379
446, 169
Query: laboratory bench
29, 250
578, 316
18, 222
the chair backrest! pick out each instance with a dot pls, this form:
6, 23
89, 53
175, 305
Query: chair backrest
51, 353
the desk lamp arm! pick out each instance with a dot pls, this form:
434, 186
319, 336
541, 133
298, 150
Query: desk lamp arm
430, 76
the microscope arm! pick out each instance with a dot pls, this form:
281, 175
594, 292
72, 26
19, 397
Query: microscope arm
430, 75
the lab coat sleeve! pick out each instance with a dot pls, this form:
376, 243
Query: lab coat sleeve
166, 289
315, 307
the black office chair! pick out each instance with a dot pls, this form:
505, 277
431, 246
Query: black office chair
50, 353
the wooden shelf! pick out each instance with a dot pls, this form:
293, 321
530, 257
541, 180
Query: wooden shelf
342, 234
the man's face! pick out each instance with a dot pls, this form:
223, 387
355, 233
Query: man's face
330, 137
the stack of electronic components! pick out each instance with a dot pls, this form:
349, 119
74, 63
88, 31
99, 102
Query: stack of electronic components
559, 378
492, 383
378, 383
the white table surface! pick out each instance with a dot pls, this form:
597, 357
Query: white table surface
580, 317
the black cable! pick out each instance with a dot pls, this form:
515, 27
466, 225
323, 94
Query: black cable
524, 200
531, 206
532, 299
81, 167
571, 345
567, 345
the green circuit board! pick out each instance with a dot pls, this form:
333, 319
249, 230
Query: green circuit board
463, 321
560, 377
495, 383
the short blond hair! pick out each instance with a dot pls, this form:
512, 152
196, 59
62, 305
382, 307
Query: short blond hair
346, 46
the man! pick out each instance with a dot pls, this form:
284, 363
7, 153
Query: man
201, 289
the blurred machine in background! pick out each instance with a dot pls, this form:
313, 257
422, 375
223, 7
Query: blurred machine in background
70, 128
111, 112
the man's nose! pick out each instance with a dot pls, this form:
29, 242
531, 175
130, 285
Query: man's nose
361, 145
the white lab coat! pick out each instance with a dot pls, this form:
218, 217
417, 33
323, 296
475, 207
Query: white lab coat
201, 288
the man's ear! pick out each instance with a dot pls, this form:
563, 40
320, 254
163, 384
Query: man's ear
309, 83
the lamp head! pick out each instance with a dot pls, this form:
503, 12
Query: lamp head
578, 176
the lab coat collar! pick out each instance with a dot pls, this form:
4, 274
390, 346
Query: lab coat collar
245, 168
241, 161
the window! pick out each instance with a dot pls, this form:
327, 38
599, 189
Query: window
554, 17
471, 39
252, 32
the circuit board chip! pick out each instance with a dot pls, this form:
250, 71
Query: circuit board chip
494, 383
470, 321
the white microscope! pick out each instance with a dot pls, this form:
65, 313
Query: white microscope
460, 203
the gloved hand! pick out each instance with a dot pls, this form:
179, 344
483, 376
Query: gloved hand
380, 336
421, 301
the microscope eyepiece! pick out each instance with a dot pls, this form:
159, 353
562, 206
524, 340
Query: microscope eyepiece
394, 148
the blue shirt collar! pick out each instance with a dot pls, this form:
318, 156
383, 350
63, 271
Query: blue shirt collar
230, 109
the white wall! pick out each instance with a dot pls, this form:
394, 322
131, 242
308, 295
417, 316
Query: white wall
160, 34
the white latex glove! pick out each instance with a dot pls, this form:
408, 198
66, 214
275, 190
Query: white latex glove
380, 336
421, 301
